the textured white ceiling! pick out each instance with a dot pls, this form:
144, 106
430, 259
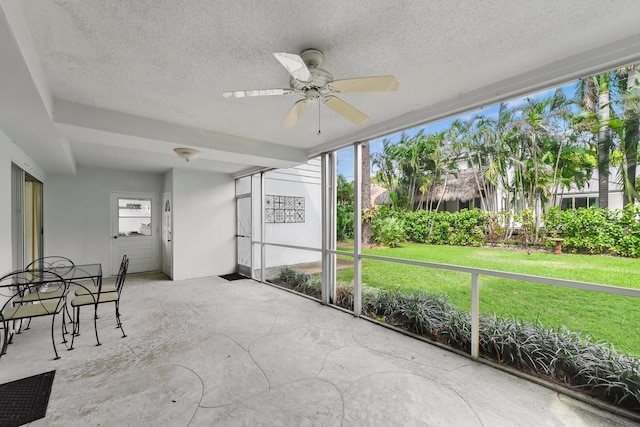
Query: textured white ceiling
171, 61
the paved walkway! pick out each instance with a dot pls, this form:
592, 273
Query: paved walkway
208, 352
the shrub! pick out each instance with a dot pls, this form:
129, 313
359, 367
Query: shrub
344, 221
464, 228
417, 225
468, 228
598, 231
498, 226
388, 231
527, 232
344, 295
428, 227
300, 282
627, 233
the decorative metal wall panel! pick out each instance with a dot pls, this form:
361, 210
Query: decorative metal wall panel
284, 209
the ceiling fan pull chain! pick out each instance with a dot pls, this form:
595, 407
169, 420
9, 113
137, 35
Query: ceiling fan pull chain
319, 118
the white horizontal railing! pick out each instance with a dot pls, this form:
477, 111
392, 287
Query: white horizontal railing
475, 289
629, 292
284, 245
475, 281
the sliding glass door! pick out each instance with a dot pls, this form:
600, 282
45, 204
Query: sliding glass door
26, 218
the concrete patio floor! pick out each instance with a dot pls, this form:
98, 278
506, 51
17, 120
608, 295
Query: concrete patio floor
207, 352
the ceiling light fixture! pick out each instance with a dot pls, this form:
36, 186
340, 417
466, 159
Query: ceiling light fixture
187, 153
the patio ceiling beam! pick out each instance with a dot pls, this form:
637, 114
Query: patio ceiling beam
25, 96
86, 124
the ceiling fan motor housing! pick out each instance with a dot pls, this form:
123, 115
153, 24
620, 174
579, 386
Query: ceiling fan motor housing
319, 79
312, 58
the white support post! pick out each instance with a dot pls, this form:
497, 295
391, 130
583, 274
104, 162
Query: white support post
252, 228
475, 316
325, 194
357, 230
333, 177
263, 255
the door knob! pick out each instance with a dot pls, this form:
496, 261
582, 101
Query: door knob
115, 237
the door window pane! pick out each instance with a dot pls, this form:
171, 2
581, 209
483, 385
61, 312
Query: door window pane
134, 217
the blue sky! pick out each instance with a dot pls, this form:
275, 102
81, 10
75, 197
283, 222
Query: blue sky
345, 156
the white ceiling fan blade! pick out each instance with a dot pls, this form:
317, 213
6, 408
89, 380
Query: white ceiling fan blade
346, 110
295, 113
365, 84
257, 92
294, 65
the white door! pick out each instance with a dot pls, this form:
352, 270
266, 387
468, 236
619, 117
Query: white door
243, 235
135, 230
167, 244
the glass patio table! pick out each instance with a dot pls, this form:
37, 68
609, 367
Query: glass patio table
28, 295
68, 273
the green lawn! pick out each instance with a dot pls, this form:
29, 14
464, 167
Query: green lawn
605, 317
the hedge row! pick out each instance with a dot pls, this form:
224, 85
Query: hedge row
585, 230
598, 231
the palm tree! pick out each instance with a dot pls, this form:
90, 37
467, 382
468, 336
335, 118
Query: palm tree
492, 143
631, 89
387, 170
599, 95
594, 97
467, 142
441, 158
366, 193
344, 191
410, 153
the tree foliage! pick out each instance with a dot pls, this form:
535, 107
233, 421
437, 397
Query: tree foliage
531, 152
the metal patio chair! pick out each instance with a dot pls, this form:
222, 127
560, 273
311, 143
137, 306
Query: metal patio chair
95, 296
57, 264
105, 288
14, 286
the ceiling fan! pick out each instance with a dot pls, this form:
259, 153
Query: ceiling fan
315, 84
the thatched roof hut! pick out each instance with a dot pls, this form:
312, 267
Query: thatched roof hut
379, 196
463, 187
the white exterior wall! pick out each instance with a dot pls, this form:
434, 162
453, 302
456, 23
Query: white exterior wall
615, 200
591, 188
203, 223
77, 219
300, 181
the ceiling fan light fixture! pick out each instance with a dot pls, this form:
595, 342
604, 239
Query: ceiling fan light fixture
187, 153
312, 95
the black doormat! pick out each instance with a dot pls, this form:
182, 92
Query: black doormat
233, 276
25, 400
